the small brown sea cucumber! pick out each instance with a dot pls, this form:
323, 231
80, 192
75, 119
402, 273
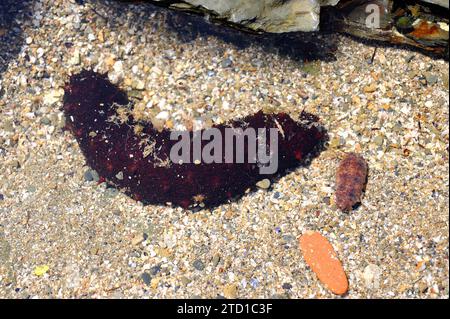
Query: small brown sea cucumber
351, 178
137, 161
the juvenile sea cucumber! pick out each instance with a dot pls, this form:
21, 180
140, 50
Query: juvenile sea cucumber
137, 161
351, 178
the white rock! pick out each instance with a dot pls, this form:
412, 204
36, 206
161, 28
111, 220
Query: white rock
52, 97
75, 58
23, 81
139, 85
117, 75
164, 115
40, 52
118, 66
371, 276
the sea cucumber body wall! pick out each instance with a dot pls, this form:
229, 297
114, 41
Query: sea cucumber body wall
138, 161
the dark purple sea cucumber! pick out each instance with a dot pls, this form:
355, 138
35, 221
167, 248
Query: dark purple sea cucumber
138, 163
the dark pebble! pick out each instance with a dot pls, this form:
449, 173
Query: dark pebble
326, 200
198, 264
288, 238
146, 278
88, 176
155, 269
431, 79
91, 175
45, 121
2, 197
257, 63
409, 58
287, 286
226, 63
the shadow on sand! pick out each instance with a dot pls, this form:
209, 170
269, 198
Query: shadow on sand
12, 13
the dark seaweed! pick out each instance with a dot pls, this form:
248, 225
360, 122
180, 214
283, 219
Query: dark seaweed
117, 152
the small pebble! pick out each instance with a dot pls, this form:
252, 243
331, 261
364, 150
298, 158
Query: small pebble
409, 58
45, 120
254, 282
257, 63
40, 52
138, 85
378, 140
371, 276
164, 115
185, 281
215, 260
230, 291
170, 54
198, 264
146, 278
370, 88
91, 176
75, 58
31, 189
431, 79
226, 63
111, 192
155, 270
119, 175
287, 286
263, 184
137, 239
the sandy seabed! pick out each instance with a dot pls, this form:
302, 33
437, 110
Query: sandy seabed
64, 235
